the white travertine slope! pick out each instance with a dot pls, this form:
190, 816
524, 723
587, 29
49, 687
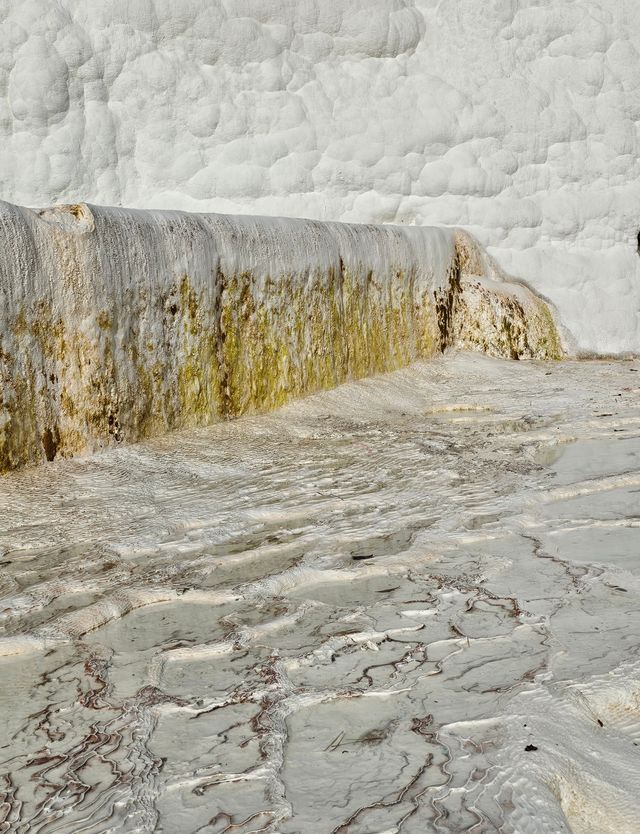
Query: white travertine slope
516, 119
411, 604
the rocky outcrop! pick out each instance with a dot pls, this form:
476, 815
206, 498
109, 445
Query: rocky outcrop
120, 324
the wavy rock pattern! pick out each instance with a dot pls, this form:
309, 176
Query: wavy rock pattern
409, 604
117, 324
518, 120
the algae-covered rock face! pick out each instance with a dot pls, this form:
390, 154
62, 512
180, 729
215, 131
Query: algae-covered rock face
117, 325
496, 316
504, 321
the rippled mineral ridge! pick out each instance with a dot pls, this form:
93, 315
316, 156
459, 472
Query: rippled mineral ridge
410, 604
517, 120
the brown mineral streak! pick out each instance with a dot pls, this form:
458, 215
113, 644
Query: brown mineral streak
104, 343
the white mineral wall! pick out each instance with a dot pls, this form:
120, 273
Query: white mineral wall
516, 119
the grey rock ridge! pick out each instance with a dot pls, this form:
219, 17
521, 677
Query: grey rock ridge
119, 324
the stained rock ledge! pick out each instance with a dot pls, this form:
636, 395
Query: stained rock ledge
120, 324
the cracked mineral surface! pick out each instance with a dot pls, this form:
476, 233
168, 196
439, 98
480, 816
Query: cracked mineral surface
410, 604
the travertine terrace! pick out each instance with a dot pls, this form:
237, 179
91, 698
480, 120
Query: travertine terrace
119, 324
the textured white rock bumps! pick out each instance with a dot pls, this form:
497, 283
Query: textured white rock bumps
516, 120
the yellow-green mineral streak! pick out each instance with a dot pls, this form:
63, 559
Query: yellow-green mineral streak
169, 351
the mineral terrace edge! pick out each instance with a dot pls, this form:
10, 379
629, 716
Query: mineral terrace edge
118, 324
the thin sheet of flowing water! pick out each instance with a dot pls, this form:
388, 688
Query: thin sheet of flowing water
408, 605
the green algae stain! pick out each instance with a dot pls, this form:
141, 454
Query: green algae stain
299, 337
498, 324
549, 342
196, 356
255, 347
194, 351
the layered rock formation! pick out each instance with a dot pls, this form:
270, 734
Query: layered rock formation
120, 324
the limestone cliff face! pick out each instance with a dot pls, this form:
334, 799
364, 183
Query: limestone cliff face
120, 324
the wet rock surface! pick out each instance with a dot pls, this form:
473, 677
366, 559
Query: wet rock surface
409, 604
